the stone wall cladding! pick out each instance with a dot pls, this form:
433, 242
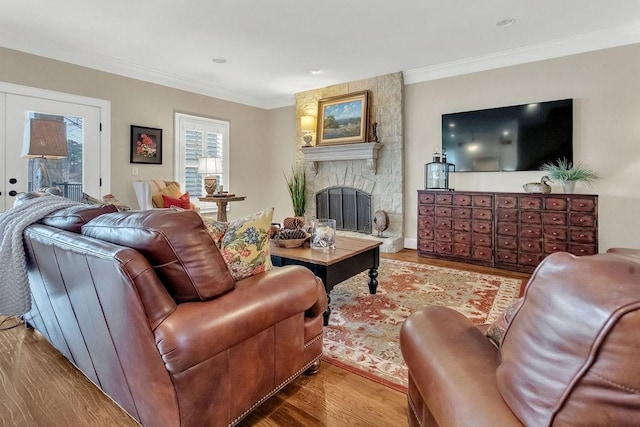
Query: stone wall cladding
386, 186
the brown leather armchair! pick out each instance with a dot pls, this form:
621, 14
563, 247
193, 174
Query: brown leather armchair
143, 304
569, 355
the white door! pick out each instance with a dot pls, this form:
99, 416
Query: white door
78, 173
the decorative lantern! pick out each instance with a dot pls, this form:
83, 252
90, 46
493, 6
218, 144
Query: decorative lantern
436, 175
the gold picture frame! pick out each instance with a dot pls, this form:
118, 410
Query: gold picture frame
343, 119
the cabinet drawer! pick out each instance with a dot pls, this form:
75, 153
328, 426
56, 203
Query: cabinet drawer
443, 236
462, 200
462, 212
462, 250
425, 234
508, 215
462, 224
461, 237
582, 205
481, 240
555, 218
530, 230
556, 204
581, 250
552, 247
443, 199
531, 245
482, 214
426, 198
531, 202
426, 222
443, 223
506, 201
581, 220
443, 248
482, 253
425, 246
530, 259
507, 242
507, 257
507, 228
552, 234
582, 236
483, 227
482, 201
443, 211
426, 210
530, 217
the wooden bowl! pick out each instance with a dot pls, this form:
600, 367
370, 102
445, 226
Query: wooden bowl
290, 243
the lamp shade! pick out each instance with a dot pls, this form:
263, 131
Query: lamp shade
308, 123
210, 165
45, 138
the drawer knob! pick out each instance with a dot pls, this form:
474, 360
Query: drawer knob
555, 248
529, 217
481, 253
530, 245
555, 204
529, 260
581, 205
506, 243
506, 257
582, 235
554, 233
582, 220
530, 231
581, 251
506, 229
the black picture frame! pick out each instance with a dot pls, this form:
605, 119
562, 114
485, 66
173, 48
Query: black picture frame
146, 145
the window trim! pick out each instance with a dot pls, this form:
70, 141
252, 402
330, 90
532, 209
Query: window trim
181, 121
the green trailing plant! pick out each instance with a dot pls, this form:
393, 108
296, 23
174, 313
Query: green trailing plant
297, 184
564, 170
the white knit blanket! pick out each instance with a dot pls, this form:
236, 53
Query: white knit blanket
15, 295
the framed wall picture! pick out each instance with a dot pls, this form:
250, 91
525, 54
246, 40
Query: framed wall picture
146, 145
343, 119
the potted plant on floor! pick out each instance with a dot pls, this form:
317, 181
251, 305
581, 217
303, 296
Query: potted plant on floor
567, 173
297, 185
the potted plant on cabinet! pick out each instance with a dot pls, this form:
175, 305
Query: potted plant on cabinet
297, 185
567, 173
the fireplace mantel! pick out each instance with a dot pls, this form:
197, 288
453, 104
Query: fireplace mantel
327, 153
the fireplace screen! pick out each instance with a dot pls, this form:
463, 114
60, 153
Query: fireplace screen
350, 208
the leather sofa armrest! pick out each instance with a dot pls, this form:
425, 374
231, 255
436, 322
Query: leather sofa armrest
198, 331
453, 365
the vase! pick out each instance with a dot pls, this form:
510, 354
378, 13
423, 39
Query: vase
323, 234
568, 186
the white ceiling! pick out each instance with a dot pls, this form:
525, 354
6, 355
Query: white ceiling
271, 46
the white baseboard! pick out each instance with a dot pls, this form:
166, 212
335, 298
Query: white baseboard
410, 243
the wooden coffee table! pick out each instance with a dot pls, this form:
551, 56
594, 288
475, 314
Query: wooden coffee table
350, 257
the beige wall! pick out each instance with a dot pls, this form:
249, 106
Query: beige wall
605, 86
252, 133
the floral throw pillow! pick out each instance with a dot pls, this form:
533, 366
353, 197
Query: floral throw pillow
245, 245
217, 229
496, 331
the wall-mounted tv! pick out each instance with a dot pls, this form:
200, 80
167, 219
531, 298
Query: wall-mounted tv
515, 138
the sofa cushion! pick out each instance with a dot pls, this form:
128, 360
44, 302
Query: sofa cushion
74, 217
570, 355
176, 244
245, 245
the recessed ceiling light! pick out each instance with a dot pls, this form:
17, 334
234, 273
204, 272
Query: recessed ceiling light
315, 71
219, 60
505, 22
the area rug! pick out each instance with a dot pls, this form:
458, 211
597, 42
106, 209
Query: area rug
364, 329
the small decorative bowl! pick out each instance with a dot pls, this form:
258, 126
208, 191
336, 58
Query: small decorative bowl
290, 243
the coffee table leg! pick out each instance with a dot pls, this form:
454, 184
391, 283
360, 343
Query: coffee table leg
327, 313
373, 281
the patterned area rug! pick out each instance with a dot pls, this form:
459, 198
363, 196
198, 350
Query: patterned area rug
363, 331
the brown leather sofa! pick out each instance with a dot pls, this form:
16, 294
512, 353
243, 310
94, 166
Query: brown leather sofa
569, 357
143, 304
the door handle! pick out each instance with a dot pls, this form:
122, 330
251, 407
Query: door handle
13, 193
12, 181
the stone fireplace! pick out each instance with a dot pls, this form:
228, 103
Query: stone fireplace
373, 168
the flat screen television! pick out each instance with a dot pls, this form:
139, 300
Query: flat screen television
515, 138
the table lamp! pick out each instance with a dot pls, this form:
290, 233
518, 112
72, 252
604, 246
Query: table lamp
211, 167
308, 126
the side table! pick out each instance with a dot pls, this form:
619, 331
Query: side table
222, 201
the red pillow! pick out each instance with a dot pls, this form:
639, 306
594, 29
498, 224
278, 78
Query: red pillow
183, 202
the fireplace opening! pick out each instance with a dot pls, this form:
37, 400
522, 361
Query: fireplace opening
351, 208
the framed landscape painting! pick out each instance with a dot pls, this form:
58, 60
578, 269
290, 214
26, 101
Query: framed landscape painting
146, 145
343, 119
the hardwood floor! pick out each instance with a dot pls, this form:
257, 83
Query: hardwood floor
39, 387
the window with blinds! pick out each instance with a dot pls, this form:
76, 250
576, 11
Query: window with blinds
199, 137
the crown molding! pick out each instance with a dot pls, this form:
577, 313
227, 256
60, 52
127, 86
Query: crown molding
619, 36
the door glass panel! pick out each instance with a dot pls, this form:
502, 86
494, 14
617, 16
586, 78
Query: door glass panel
65, 173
